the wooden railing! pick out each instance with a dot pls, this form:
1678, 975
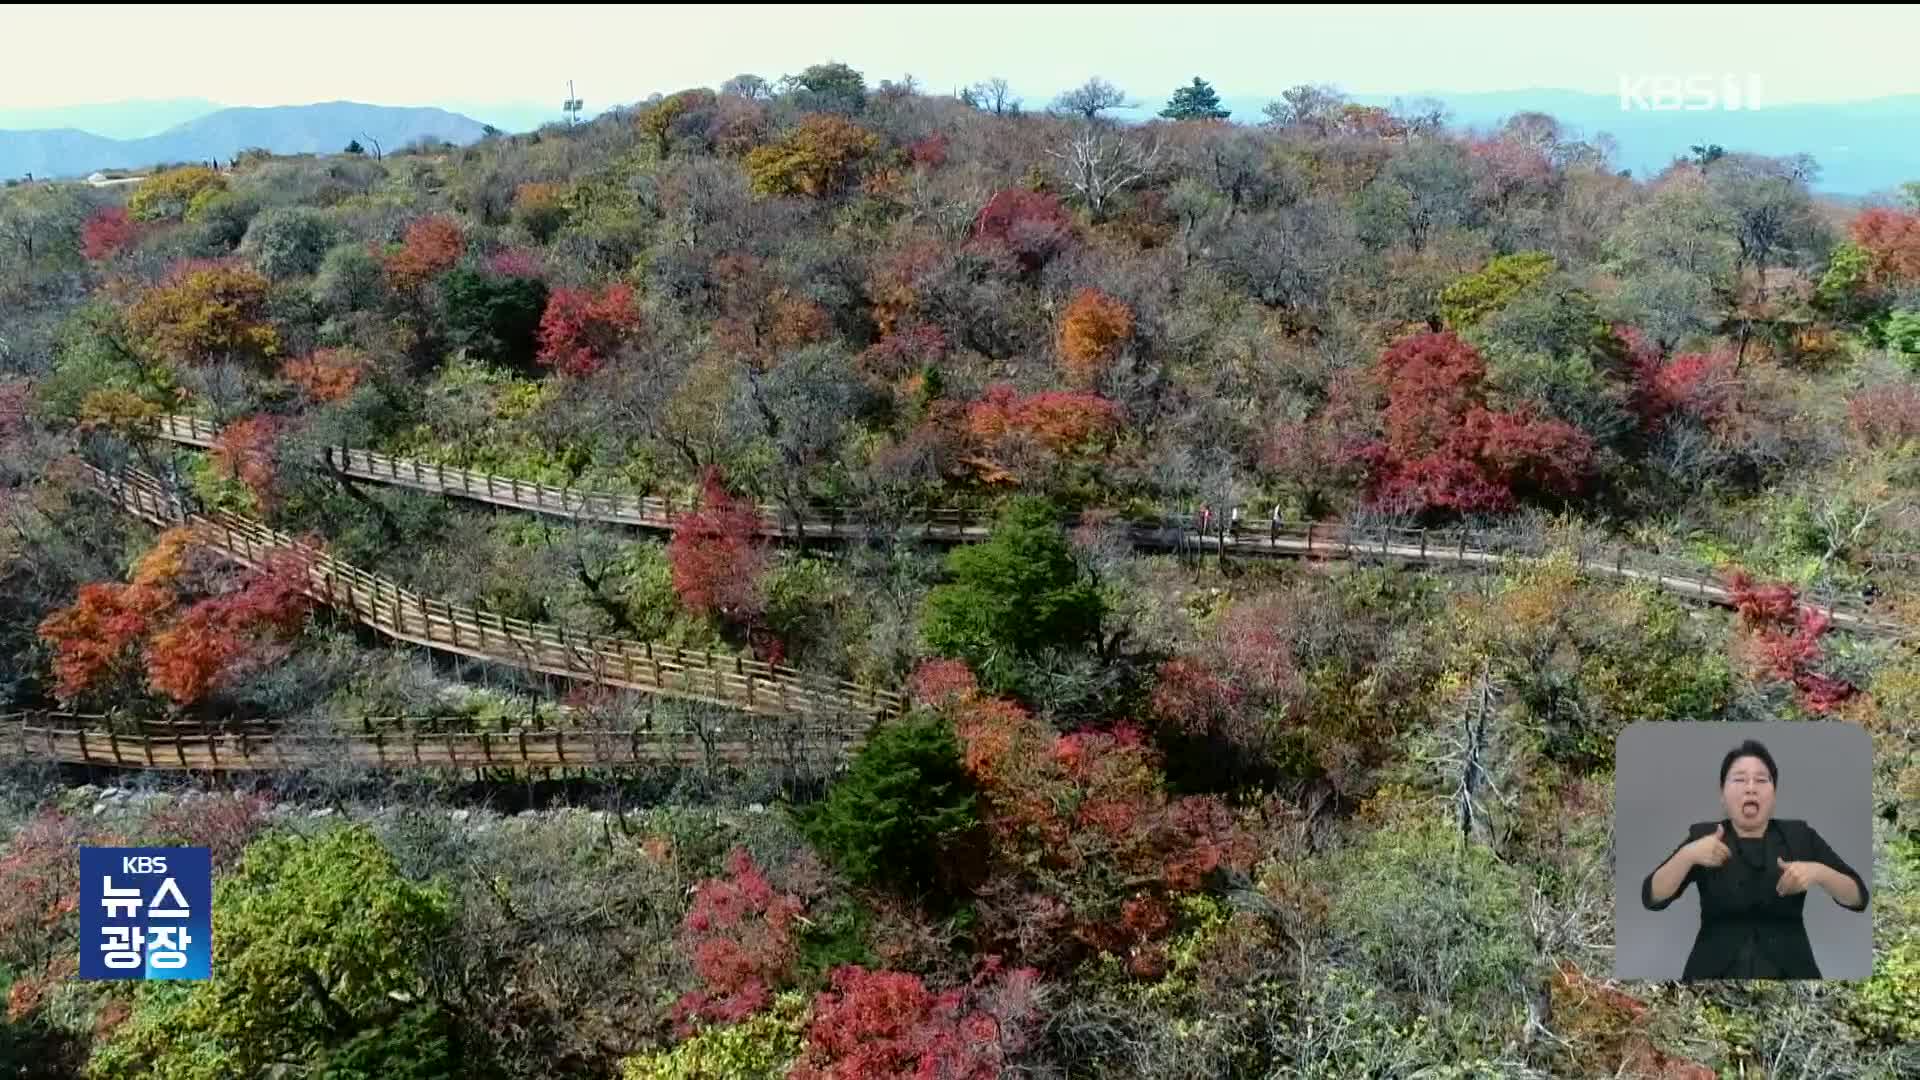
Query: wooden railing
74, 740
404, 615
1255, 538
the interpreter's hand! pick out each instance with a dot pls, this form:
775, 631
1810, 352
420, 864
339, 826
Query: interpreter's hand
1796, 877
1710, 850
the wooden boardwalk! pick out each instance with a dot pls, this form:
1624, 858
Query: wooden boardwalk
87, 740
399, 613
1291, 538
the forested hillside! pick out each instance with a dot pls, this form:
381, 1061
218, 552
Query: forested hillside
1091, 786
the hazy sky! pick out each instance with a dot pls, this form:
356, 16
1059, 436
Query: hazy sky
271, 55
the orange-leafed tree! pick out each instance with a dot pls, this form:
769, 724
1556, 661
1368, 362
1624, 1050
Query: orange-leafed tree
432, 246
1089, 846
224, 636
1891, 239
581, 330
1060, 420
207, 312
1093, 330
327, 375
93, 636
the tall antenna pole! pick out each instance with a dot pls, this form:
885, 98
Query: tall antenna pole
572, 106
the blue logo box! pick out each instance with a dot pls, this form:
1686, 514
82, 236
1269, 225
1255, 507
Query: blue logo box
146, 913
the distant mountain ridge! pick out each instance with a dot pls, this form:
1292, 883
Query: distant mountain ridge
285, 129
113, 120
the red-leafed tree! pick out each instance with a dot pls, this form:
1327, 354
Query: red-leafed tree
906, 351
1442, 448
1782, 640
1701, 385
1088, 846
717, 557
1093, 330
222, 637
879, 1025
741, 938
1891, 239
432, 246
245, 450
108, 232
1030, 226
930, 151
582, 330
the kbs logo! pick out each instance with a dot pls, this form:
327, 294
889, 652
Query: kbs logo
146, 913
1688, 93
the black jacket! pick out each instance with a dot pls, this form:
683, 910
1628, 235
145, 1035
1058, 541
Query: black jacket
1748, 931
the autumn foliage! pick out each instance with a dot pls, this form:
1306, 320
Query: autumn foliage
1093, 330
1442, 448
432, 246
878, 1025
717, 557
327, 375
224, 636
92, 636
1059, 419
1891, 239
582, 329
741, 938
1088, 844
821, 157
188, 653
1783, 640
244, 451
1031, 226
1886, 416
205, 312
108, 232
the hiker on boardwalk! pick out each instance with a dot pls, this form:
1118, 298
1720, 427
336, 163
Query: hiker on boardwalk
1273, 526
1206, 519
1234, 528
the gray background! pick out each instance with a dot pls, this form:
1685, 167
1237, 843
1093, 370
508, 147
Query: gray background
1666, 777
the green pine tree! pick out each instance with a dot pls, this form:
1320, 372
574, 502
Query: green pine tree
1196, 102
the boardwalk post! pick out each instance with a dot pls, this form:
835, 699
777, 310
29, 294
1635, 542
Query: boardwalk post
179, 748
1423, 545
1619, 556
84, 756
146, 746
113, 744
1309, 537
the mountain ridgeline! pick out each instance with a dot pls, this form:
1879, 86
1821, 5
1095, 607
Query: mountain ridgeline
285, 129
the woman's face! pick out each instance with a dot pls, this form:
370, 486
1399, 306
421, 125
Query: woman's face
1748, 794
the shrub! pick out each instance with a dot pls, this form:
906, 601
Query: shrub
1430, 915
320, 952
288, 241
761, 1047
